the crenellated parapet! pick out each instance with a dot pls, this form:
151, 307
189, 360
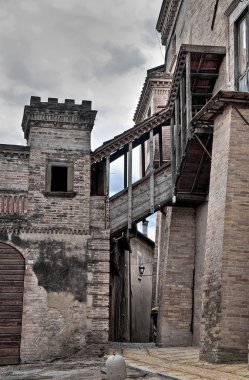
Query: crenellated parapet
53, 112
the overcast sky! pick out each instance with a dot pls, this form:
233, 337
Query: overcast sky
96, 50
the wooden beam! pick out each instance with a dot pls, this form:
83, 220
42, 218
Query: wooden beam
160, 144
125, 170
143, 159
107, 191
188, 93
152, 189
119, 153
173, 157
183, 114
199, 168
177, 134
130, 186
204, 75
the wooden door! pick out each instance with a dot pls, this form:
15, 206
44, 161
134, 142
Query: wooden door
12, 267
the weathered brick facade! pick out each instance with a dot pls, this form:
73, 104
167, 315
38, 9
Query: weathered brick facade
225, 314
175, 302
220, 308
61, 234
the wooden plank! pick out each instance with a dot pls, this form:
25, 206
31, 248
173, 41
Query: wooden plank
11, 282
8, 322
14, 339
177, 137
188, 93
9, 360
12, 271
11, 351
14, 277
130, 187
160, 143
10, 315
152, 200
9, 267
10, 296
10, 330
173, 157
10, 258
11, 289
143, 159
125, 170
107, 190
183, 115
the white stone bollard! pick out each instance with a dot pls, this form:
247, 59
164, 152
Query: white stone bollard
116, 368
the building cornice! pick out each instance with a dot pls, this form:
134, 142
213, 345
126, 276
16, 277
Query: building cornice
156, 77
167, 17
14, 150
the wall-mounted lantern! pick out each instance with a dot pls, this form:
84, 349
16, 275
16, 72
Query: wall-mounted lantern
141, 269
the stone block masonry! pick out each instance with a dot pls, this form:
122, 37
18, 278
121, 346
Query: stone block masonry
225, 312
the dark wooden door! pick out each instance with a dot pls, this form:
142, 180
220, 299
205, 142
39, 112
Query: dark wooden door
12, 267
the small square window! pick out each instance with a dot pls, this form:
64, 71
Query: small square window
59, 178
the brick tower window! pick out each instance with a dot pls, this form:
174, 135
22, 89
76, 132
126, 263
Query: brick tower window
59, 178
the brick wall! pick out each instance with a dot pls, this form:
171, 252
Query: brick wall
175, 307
61, 143
14, 161
61, 236
201, 226
98, 269
225, 314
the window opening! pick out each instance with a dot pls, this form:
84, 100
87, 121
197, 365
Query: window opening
59, 178
242, 53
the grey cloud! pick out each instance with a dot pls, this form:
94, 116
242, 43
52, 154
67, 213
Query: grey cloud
149, 35
123, 59
13, 96
76, 49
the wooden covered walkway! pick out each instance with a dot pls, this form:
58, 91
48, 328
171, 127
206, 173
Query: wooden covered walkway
140, 199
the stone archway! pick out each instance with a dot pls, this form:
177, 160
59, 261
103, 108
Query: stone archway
12, 267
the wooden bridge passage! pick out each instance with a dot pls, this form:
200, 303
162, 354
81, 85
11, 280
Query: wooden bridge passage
142, 204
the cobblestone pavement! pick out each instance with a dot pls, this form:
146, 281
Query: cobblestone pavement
65, 370
182, 364
143, 362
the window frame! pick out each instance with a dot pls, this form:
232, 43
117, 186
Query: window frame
243, 15
70, 179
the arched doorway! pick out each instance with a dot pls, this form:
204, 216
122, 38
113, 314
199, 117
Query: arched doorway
12, 266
